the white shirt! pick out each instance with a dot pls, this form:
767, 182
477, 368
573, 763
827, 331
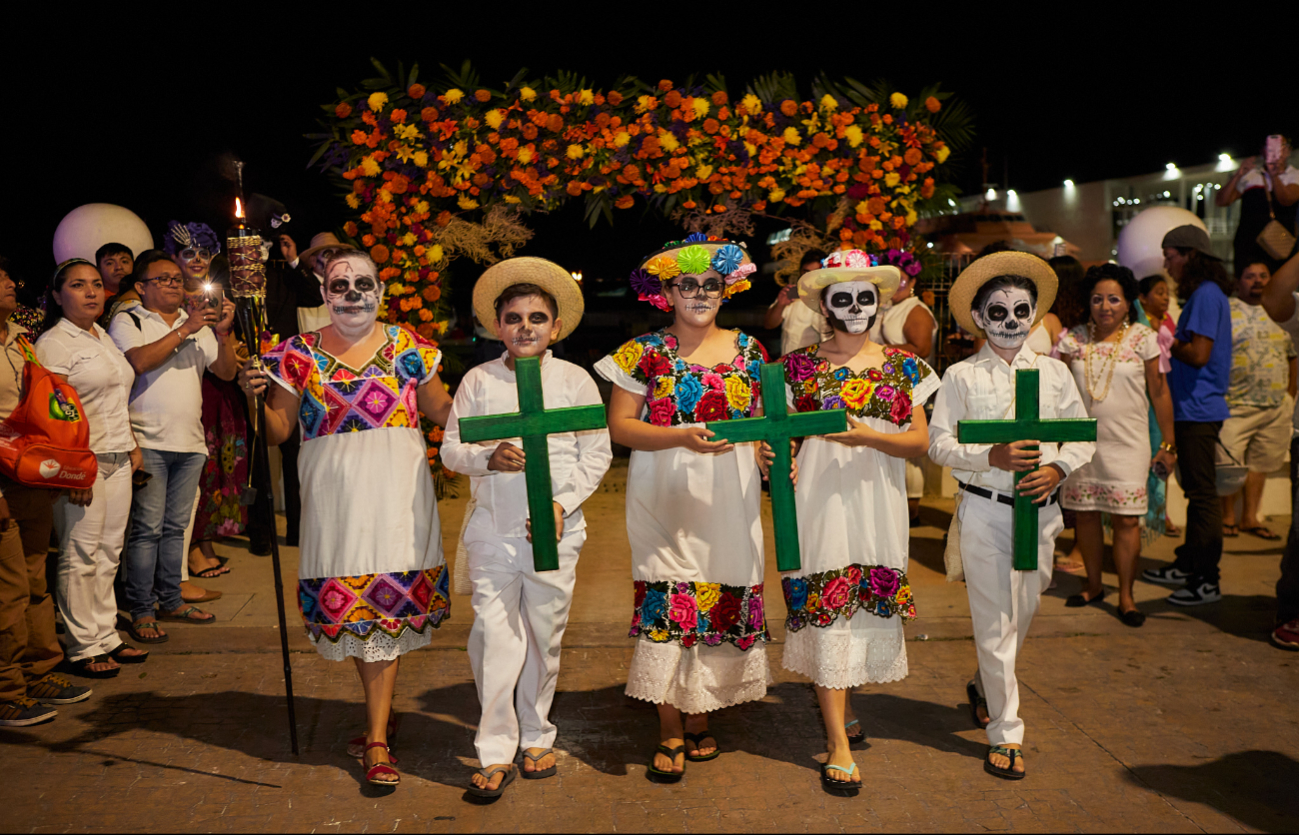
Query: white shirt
983, 388
578, 460
800, 326
1256, 178
891, 320
99, 372
167, 402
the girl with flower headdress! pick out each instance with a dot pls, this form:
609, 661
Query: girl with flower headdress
692, 502
849, 599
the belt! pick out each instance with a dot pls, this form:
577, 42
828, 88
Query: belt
1002, 497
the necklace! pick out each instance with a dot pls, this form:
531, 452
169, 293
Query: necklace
1111, 361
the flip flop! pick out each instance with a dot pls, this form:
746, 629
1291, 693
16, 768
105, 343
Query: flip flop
1261, 532
697, 739
1004, 773
139, 632
976, 702
839, 786
117, 655
539, 774
1077, 601
82, 667
853, 739
668, 776
510, 774
1235, 531
210, 573
183, 616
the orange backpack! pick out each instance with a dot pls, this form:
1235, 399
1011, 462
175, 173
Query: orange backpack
46, 441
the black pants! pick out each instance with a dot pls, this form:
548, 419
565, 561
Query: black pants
1200, 554
1287, 588
261, 516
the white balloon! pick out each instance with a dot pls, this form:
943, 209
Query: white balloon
1140, 240
87, 228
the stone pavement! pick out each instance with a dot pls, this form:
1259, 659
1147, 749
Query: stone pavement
1188, 724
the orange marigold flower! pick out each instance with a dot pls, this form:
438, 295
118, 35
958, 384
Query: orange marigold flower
482, 95
429, 114
416, 91
379, 253
432, 293
398, 115
719, 208
789, 107
719, 98
932, 104
367, 240
912, 156
711, 126
614, 97
427, 330
665, 85
350, 229
672, 99
343, 110
555, 123
359, 137
529, 131
820, 140
574, 188
689, 204
626, 202
845, 234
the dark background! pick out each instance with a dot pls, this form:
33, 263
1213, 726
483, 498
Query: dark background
139, 108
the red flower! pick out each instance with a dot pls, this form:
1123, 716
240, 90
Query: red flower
901, 410
712, 406
654, 364
725, 612
640, 593
661, 411
805, 403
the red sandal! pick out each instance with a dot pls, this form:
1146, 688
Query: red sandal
381, 768
356, 747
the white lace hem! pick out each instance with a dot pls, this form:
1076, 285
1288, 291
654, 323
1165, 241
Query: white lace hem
698, 679
378, 647
848, 653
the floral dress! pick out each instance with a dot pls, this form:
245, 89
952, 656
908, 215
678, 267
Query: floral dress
372, 582
849, 599
695, 530
225, 475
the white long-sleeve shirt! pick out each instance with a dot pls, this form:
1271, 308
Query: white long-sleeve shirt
578, 460
983, 388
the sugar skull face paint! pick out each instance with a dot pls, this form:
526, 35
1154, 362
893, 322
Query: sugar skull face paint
1006, 316
353, 296
851, 306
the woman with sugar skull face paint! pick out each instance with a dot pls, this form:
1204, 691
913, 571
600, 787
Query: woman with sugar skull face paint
849, 599
693, 503
372, 580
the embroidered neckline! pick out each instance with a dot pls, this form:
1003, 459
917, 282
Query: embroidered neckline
375, 359
671, 349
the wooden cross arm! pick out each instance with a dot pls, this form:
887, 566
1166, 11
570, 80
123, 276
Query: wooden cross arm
515, 425
802, 424
1059, 430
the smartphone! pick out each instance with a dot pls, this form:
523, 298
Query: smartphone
1160, 469
214, 295
1272, 149
139, 478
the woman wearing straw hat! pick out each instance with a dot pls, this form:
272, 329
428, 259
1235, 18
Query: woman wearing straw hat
372, 581
520, 613
692, 503
847, 602
1001, 297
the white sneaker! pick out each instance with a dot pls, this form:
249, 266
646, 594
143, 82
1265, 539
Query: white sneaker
1203, 593
1166, 576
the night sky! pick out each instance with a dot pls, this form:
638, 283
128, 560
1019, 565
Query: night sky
139, 111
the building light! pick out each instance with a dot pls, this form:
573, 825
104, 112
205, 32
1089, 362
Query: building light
1224, 157
951, 202
1068, 183
1171, 166
992, 194
930, 244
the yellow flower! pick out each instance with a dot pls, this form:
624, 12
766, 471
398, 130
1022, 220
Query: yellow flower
707, 595
659, 188
700, 106
738, 394
407, 132
586, 97
466, 202
942, 153
791, 137
527, 93
891, 179
753, 104
494, 118
453, 95
628, 355
525, 156
829, 103
912, 217
853, 134
355, 202
383, 196
369, 167
898, 100
862, 208
664, 388
776, 195
404, 153
421, 159
435, 253
738, 287
575, 152
855, 393
658, 635
377, 101
703, 172
408, 239
421, 206
665, 267
621, 139
668, 141
644, 103
876, 225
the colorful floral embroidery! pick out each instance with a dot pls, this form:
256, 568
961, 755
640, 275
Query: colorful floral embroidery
691, 613
679, 392
883, 393
370, 604
336, 398
818, 599
1095, 495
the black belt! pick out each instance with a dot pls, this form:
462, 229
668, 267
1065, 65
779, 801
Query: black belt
1002, 497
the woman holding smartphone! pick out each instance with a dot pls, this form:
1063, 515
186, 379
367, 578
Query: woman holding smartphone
1267, 187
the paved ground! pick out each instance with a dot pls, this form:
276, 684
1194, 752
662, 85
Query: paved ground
1188, 724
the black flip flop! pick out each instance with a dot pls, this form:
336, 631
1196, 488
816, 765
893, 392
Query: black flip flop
510, 774
1077, 601
540, 774
81, 667
698, 738
839, 787
1262, 533
976, 702
853, 739
138, 633
668, 776
1004, 773
117, 655
210, 573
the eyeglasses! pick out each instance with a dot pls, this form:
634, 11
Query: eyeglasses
192, 253
166, 280
689, 289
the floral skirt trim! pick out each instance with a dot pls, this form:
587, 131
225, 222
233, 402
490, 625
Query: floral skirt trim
818, 599
707, 613
366, 605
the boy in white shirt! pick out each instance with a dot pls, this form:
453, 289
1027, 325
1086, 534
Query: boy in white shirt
520, 613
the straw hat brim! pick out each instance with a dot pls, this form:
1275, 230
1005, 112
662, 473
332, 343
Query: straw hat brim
885, 277
711, 246
303, 256
961, 297
547, 275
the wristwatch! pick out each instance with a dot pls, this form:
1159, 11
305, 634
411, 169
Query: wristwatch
1169, 447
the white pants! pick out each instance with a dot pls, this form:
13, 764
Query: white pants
90, 547
519, 619
916, 477
1002, 602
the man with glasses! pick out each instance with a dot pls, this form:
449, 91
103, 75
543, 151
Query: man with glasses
169, 350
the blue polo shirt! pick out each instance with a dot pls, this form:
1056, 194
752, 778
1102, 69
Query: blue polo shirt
1200, 394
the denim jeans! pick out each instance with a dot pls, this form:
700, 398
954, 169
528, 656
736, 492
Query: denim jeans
161, 512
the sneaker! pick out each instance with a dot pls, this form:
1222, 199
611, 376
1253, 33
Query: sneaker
54, 689
20, 713
1286, 636
1197, 595
1166, 576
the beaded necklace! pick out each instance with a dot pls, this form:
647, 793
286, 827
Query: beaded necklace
1111, 361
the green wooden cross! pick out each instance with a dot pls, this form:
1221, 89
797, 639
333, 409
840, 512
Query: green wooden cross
534, 423
777, 426
1025, 426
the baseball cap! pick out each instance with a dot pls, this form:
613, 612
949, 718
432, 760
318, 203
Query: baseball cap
1189, 237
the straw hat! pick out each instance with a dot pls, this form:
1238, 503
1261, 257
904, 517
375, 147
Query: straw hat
325, 240
695, 255
547, 275
961, 297
847, 265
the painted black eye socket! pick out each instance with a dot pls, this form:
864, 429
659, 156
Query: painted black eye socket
841, 300
998, 313
339, 286
1022, 311
866, 298
539, 318
365, 284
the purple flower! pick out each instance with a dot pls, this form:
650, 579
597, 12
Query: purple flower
645, 284
883, 582
800, 367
